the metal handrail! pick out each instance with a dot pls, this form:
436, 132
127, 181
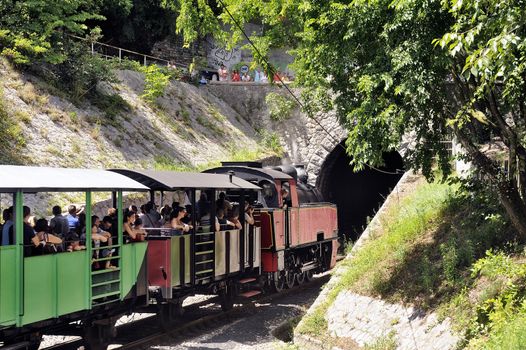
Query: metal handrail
120, 51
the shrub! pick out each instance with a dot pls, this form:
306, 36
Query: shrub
280, 107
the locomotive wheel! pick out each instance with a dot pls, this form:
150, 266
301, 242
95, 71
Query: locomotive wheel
309, 275
300, 277
278, 282
290, 277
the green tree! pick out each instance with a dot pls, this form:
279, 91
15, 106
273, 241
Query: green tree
425, 68
33, 29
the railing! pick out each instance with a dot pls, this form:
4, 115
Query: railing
110, 52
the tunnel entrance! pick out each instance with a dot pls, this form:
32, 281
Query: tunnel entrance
357, 195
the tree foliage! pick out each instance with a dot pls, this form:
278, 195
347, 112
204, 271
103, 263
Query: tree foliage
427, 69
33, 29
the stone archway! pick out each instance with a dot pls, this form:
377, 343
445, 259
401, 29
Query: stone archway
357, 195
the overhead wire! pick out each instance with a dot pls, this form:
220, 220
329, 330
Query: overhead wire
298, 101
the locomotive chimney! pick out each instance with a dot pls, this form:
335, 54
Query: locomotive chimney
230, 174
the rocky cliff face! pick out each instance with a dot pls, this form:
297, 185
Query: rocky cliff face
186, 126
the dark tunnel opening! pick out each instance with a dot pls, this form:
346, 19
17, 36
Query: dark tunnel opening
357, 195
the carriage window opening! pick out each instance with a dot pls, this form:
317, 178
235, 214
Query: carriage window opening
7, 238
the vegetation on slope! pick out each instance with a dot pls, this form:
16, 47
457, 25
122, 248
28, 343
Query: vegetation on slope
443, 249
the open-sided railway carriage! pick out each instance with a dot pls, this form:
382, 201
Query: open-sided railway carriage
39, 293
289, 241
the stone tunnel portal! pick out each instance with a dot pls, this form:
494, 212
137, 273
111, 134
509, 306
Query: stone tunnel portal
357, 195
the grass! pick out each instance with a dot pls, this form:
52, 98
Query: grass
13, 140
409, 219
210, 125
387, 342
442, 249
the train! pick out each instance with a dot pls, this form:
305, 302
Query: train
293, 236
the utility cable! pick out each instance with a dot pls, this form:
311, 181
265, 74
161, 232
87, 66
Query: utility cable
298, 101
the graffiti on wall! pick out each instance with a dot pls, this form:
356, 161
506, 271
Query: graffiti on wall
219, 55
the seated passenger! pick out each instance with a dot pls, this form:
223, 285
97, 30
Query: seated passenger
59, 224
7, 238
129, 232
49, 243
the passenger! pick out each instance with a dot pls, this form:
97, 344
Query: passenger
249, 214
73, 242
138, 226
7, 237
221, 221
151, 218
234, 217
104, 238
31, 241
203, 201
59, 224
257, 76
165, 213
205, 219
73, 219
112, 212
131, 234
106, 224
49, 243
223, 203
188, 215
176, 222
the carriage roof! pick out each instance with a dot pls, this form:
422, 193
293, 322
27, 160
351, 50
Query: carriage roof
170, 180
46, 179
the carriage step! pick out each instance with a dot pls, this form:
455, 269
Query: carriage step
247, 280
250, 293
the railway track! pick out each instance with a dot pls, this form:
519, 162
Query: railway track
193, 327
197, 318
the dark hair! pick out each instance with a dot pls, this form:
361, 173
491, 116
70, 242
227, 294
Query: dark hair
148, 206
128, 214
7, 213
107, 219
175, 205
72, 209
133, 208
93, 219
138, 222
220, 211
204, 208
56, 210
26, 211
41, 225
